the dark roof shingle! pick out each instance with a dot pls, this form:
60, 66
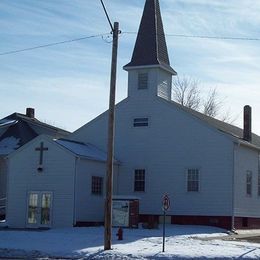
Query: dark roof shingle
150, 47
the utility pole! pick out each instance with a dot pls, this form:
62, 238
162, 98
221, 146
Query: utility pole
110, 144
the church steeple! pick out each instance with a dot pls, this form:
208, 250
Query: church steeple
150, 47
149, 71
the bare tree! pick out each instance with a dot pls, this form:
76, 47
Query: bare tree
211, 105
187, 92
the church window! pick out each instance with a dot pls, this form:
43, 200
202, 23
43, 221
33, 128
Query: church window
142, 80
139, 122
249, 183
139, 184
97, 185
193, 180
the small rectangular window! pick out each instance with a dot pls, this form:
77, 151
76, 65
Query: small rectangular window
97, 185
142, 80
249, 183
193, 180
139, 184
139, 122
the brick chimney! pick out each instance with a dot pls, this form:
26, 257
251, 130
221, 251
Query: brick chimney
247, 123
30, 112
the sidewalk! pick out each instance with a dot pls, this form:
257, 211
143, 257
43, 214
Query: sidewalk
246, 235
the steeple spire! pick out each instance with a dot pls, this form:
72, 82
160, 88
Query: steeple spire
150, 47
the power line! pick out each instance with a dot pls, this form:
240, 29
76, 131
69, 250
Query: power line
214, 37
207, 37
107, 16
105, 34
53, 44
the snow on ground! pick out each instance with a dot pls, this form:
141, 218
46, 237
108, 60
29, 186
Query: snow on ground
3, 224
182, 242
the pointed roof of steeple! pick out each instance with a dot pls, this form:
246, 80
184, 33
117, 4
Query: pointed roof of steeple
150, 47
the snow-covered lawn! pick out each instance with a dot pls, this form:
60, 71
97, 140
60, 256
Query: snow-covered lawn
182, 242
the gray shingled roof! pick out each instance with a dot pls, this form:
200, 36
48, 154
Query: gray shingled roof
81, 149
150, 47
87, 151
232, 130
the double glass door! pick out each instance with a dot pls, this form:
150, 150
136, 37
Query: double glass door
39, 209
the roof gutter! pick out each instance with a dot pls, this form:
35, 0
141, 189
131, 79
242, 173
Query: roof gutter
248, 145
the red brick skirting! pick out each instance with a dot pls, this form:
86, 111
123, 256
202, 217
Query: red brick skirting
247, 223
152, 221
217, 221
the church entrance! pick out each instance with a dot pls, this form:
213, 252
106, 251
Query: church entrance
39, 207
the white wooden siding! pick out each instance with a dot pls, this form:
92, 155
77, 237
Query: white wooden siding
89, 207
57, 177
174, 141
246, 159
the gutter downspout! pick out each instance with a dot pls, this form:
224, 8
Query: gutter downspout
75, 184
233, 190
235, 148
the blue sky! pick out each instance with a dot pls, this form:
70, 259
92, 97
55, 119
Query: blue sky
68, 84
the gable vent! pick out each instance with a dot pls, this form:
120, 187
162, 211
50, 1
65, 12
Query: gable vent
139, 122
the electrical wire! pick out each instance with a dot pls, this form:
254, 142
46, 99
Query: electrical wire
206, 37
53, 44
107, 16
106, 34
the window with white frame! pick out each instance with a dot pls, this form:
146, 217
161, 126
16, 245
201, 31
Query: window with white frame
140, 122
249, 183
97, 185
142, 80
139, 180
193, 180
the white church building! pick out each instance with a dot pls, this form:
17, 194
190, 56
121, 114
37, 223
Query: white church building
208, 168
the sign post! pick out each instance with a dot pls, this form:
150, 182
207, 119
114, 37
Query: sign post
165, 207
